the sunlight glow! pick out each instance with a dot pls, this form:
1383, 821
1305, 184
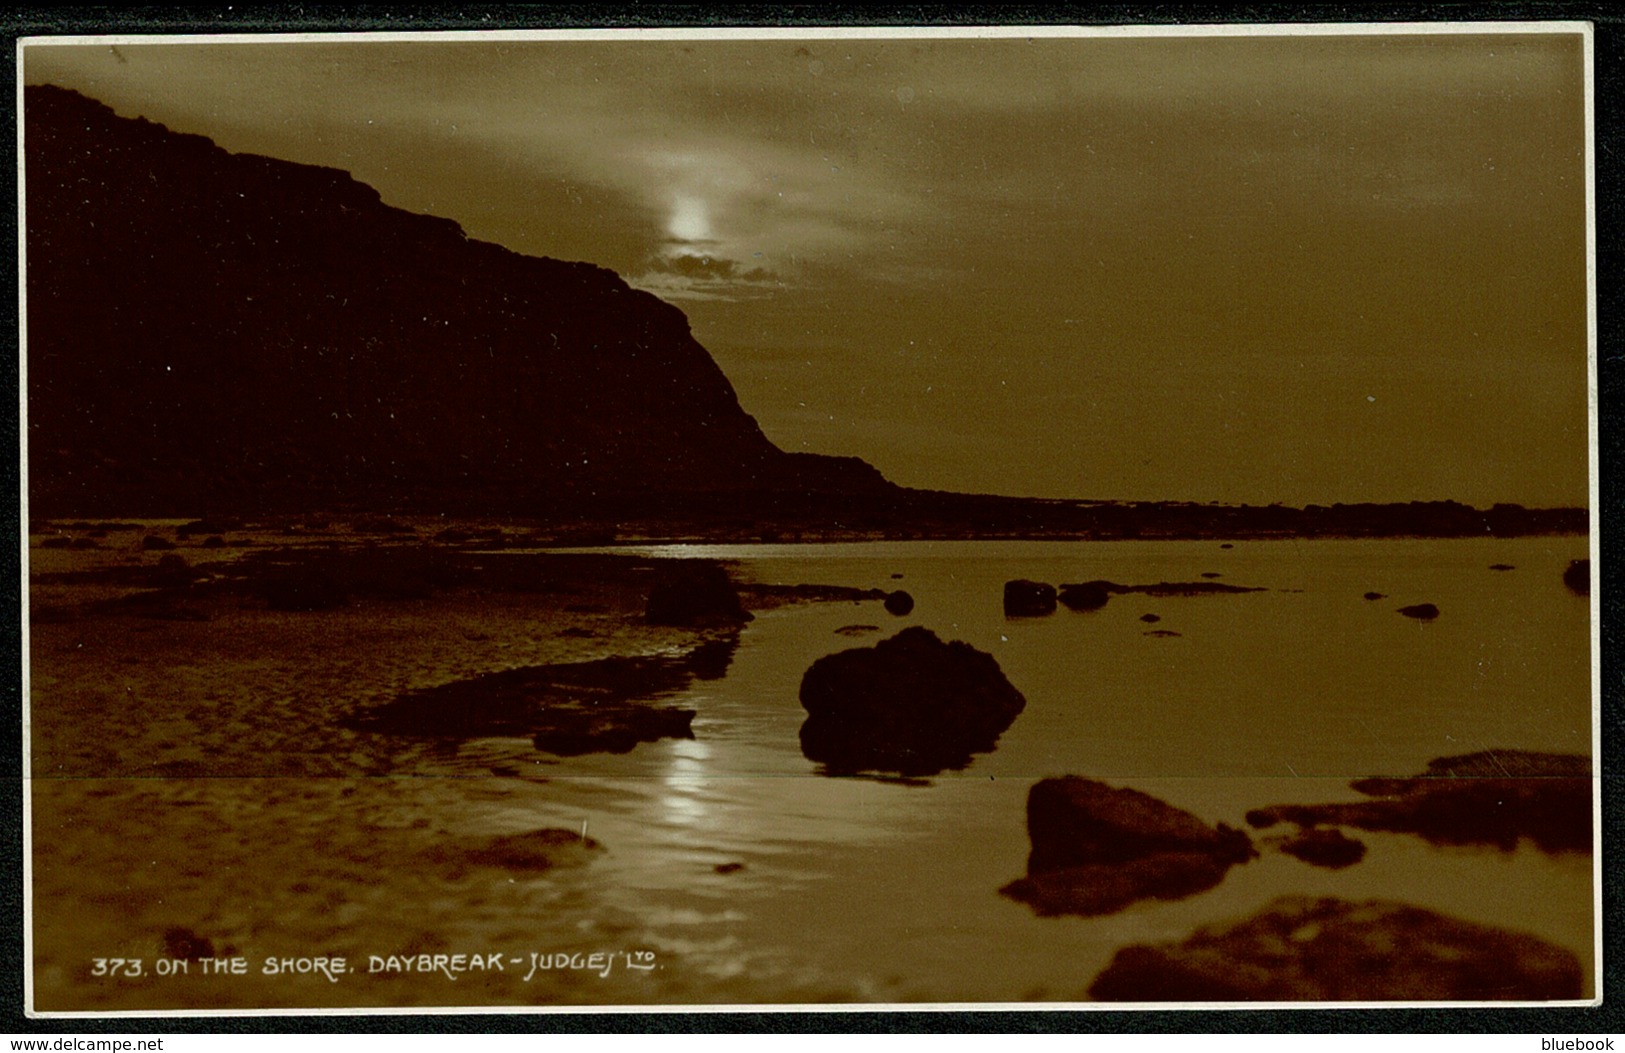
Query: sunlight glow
690, 220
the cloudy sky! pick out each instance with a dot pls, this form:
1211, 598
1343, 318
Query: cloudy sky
1214, 268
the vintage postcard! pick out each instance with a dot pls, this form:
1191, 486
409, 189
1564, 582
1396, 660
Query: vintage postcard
1042, 517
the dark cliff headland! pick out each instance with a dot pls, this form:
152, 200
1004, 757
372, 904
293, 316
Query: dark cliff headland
226, 334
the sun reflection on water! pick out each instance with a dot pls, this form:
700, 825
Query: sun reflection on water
685, 797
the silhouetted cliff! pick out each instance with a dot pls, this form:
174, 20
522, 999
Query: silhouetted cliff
212, 330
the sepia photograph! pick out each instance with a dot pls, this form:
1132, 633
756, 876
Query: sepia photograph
1018, 517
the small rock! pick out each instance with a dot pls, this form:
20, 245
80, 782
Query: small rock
1211, 574
214, 541
728, 868
1502, 566
1150, 618
1028, 599
1331, 849
1097, 848
711, 659
154, 543
1425, 612
1085, 597
1578, 577
1375, 596
1161, 633
899, 603
856, 630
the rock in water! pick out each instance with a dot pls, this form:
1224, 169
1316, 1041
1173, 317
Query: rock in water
899, 603
911, 704
1097, 849
1300, 949
567, 709
1491, 798
1578, 577
1331, 849
1424, 612
711, 659
698, 595
1084, 597
1028, 599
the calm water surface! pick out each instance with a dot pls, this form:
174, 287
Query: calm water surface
890, 891
841, 889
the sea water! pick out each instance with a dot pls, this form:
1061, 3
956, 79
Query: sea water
735, 870
866, 888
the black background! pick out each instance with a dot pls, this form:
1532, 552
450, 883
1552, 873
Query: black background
1609, 104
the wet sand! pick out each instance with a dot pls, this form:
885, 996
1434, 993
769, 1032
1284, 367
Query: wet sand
195, 774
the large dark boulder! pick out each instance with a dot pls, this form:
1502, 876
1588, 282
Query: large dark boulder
1097, 848
911, 704
1028, 599
698, 595
1300, 949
